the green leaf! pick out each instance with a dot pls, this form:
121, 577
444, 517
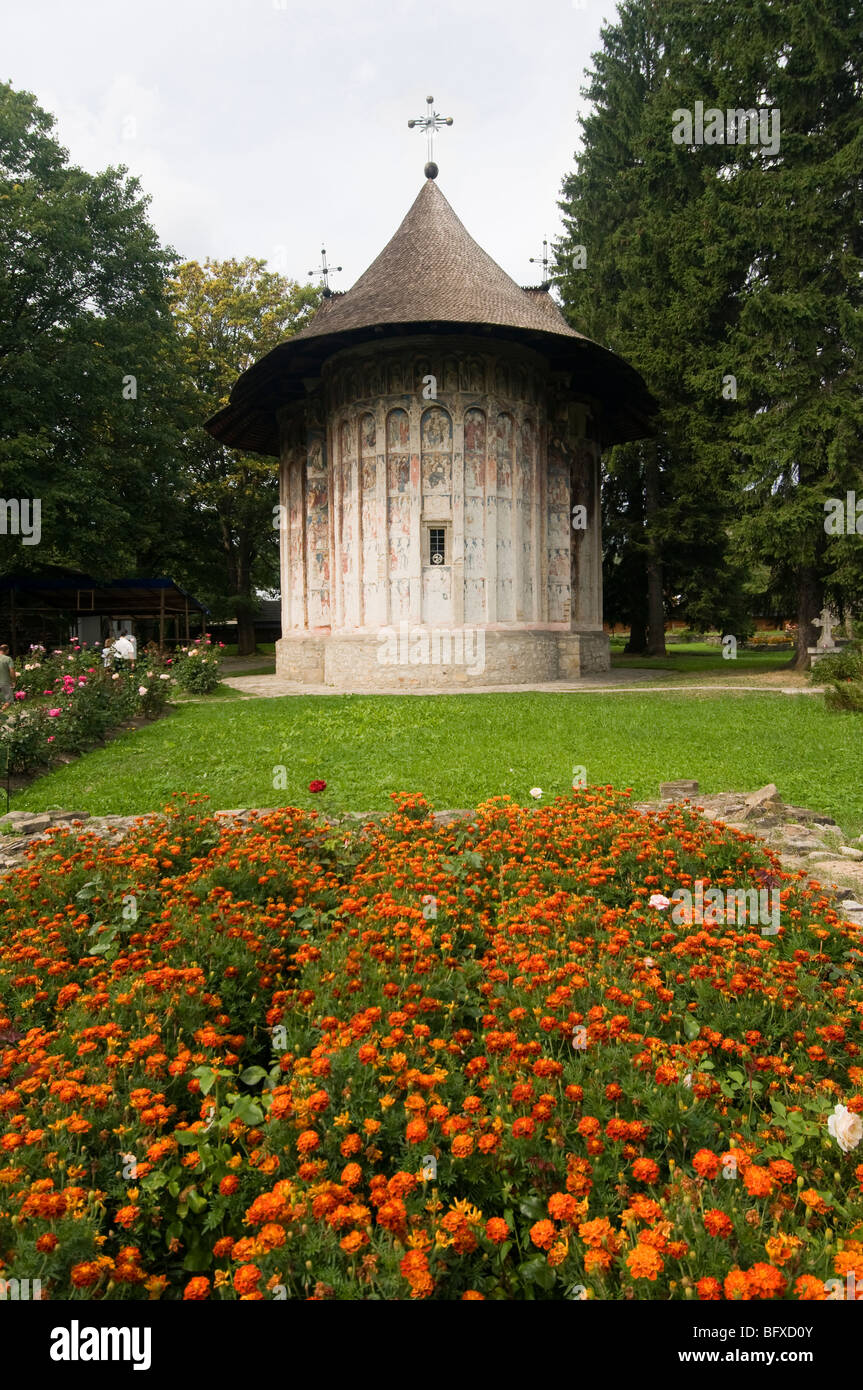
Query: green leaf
252, 1075
691, 1027
207, 1078
246, 1110
186, 1138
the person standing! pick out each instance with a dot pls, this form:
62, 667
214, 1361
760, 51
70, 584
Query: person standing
124, 648
8, 674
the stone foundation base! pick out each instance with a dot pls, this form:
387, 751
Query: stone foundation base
413, 658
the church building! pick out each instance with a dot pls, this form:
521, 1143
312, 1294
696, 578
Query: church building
439, 431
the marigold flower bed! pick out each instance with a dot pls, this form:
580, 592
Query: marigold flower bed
470, 1061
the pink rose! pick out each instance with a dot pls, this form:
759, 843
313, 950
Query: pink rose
52, 713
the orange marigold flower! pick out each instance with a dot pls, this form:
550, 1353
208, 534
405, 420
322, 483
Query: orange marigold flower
781, 1247
497, 1230
562, 1206
596, 1233
271, 1236
758, 1181
782, 1170
737, 1286
809, 1289
810, 1198
706, 1163
45, 1244
353, 1242
597, 1261
229, 1184
645, 1170
127, 1216
709, 1290
462, 1146
352, 1174
717, 1223
765, 1281
415, 1269
308, 1141
197, 1289
523, 1128
645, 1262
542, 1233
471, 1296
246, 1279
223, 1247
417, 1131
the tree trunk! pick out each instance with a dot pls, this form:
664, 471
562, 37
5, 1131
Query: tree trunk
246, 645
808, 607
245, 603
637, 644
655, 604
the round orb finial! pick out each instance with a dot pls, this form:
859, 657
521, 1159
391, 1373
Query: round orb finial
431, 170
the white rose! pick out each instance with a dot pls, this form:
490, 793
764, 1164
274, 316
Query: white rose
142, 689
659, 900
536, 793
846, 1128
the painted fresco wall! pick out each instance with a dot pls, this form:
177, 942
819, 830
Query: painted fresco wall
437, 436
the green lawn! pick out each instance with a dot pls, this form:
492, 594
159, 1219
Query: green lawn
459, 749
698, 658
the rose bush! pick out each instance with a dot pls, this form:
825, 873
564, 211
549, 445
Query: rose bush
279, 1060
66, 701
197, 668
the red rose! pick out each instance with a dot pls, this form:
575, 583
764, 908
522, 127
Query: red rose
317, 786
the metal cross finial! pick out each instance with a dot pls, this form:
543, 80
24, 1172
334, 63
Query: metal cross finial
326, 270
430, 123
542, 260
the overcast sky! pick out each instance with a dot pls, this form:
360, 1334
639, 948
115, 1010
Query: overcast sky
271, 127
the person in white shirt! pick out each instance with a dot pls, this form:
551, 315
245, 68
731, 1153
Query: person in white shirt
125, 649
108, 653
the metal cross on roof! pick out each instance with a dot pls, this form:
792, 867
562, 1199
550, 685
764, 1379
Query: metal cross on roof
324, 270
542, 260
430, 123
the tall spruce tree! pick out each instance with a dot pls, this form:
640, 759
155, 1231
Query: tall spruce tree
798, 343
694, 272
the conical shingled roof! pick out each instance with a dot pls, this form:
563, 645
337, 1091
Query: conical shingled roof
430, 277
433, 269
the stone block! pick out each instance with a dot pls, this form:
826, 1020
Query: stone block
32, 825
679, 790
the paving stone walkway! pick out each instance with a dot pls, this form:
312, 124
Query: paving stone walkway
609, 682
